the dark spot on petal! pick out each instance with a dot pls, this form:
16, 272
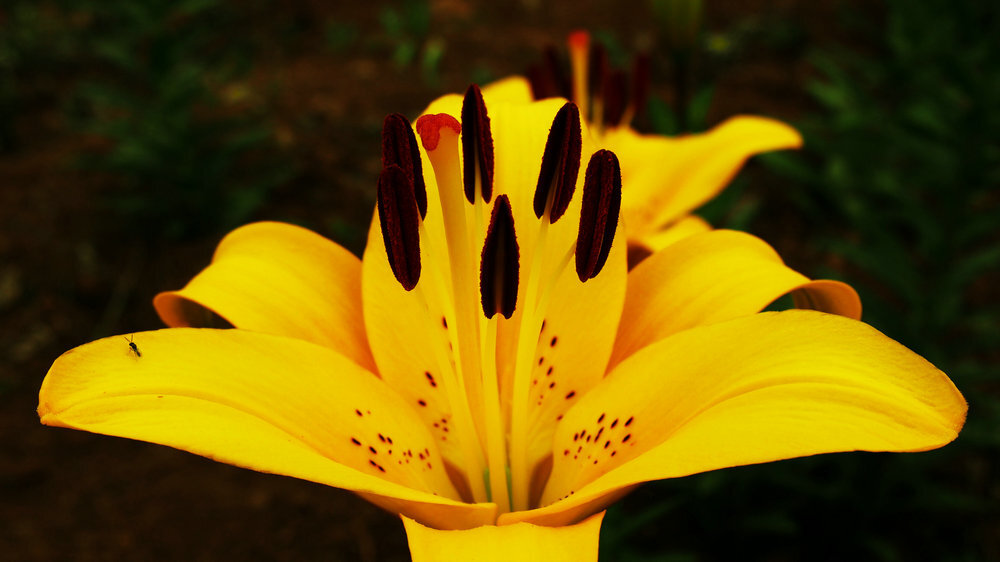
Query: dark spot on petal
355, 441
571, 394
626, 438
372, 449
552, 342
422, 402
629, 421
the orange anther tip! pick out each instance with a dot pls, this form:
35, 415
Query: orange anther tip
429, 128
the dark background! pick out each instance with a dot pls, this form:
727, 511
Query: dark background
133, 135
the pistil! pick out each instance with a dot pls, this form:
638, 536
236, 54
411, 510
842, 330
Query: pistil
454, 382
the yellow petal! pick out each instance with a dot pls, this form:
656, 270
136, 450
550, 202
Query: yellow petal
263, 402
279, 279
766, 387
641, 247
665, 178
515, 89
712, 277
520, 541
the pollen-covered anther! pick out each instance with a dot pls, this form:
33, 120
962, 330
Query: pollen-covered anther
399, 218
498, 273
560, 164
477, 146
399, 147
602, 199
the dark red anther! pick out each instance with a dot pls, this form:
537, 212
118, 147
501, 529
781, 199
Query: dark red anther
614, 98
498, 272
399, 147
547, 78
602, 201
399, 218
640, 82
597, 67
560, 164
477, 145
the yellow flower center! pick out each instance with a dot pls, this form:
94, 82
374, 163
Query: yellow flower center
488, 367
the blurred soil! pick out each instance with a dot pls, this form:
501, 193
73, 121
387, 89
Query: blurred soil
68, 276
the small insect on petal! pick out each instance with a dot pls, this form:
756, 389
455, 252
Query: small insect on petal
399, 147
498, 273
560, 164
602, 200
133, 348
477, 146
399, 218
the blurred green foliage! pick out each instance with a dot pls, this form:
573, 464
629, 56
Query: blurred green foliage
33, 35
185, 139
898, 188
182, 139
407, 27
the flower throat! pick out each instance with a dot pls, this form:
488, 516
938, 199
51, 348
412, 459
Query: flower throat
475, 237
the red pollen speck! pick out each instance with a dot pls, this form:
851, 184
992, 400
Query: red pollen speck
429, 128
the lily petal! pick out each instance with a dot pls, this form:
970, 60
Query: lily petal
690, 169
520, 541
262, 402
645, 246
711, 277
771, 386
279, 279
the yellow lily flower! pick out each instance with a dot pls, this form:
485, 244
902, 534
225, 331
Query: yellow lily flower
667, 177
491, 370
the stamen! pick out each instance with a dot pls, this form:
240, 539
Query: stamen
579, 45
477, 146
400, 222
399, 147
602, 198
597, 68
614, 98
639, 89
560, 164
547, 79
498, 275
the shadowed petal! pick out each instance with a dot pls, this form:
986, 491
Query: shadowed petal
766, 387
262, 402
520, 541
666, 178
711, 277
279, 279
